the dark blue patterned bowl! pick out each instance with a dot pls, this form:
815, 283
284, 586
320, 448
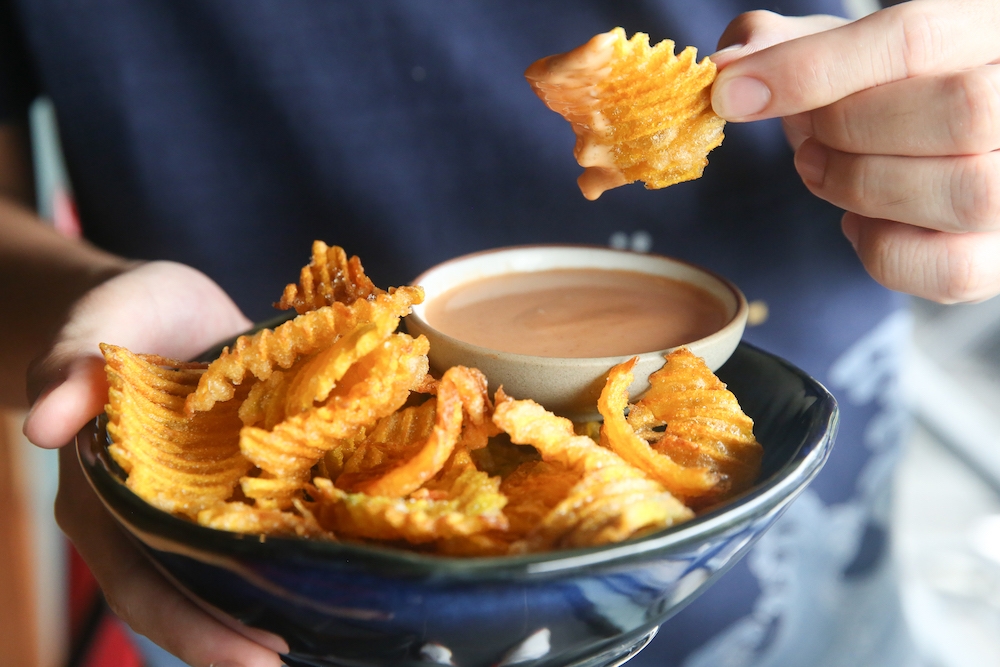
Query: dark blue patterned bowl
352, 606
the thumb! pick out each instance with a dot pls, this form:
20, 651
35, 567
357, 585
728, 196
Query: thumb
748, 34
71, 390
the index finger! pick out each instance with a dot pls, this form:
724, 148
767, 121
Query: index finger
911, 39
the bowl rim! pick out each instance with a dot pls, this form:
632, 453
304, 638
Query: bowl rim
737, 321
142, 519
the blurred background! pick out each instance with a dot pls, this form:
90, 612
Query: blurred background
947, 510
947, 513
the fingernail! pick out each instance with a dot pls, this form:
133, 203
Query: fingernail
739, 98
810, 162
726, 51
851, 227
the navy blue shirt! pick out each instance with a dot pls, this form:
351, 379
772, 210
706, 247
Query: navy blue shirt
228, 134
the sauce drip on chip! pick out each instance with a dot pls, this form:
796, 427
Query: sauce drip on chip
639, 113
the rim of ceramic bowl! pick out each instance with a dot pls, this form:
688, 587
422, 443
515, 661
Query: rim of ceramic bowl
737, 321
145, 521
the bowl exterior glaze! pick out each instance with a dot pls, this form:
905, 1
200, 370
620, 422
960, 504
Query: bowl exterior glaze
352, 606
569, 387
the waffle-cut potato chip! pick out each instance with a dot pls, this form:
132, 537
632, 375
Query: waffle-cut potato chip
239, 517
265, 402
178, 463
689, 415
376, 386
396, 438
639, 113
684, 482
260, 354
461, 389
329, 278
317, 378
533, 490
612, 501
269, 492
469, 503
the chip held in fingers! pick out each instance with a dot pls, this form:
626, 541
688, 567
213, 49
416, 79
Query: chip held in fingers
331, 427
640, 113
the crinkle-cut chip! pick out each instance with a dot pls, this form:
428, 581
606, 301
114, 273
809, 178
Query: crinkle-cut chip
639, 113
701, 420
533, 490
330, 277
178, 463
607, 506
242, 518
429, 385
684, 482
269, 492
342, 449
376, 386
397, 437
260, 354
264, 405
528, 423
612, 501
473, 389
471, 504
319, 375
396, 469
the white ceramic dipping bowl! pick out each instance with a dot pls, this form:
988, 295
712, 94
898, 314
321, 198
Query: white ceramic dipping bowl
567, 386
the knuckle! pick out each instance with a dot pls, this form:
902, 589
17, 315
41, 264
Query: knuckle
749, 22
974, 118
922, 37
964, 268
975, 193
857, 183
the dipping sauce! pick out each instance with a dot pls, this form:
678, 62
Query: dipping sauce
576, 313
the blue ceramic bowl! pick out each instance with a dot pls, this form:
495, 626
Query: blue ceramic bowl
360, 606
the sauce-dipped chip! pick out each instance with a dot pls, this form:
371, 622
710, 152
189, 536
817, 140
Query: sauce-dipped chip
639, 113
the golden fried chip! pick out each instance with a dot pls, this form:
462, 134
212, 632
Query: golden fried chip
319, 375
178, 463
309, 333
396, 438
329, 278
242, 518
612, 500
533, 490
264, 405
377, 385
639, 113
466, 501
684, 482
461, 390
269, 492
702, 423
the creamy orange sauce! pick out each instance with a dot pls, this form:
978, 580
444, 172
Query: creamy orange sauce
576, 313
567, 83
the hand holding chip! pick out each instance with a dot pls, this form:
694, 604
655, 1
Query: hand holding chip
895, 118
174, 310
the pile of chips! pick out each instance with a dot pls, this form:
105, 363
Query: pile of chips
640, 113
330, 426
